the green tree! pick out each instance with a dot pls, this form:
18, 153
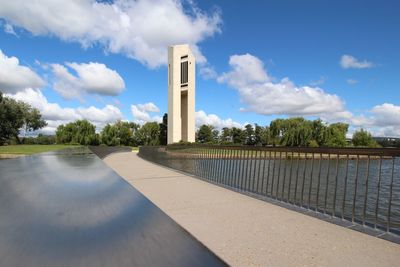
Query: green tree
16, 116
119, 133
238, 136
363, 138
250, 138
78, 132
336, 135
164, 130
265, 136
226, 135
205, 134
215, 136
148, 134
301, 132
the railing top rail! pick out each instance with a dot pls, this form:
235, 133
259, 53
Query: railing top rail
392, 152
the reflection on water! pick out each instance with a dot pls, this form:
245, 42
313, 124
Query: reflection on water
354, 190
67, 208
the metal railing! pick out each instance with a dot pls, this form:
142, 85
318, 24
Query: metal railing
358, 185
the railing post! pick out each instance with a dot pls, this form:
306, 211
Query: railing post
263, 172
297, 178
345, 186
237, 167
379, 189
311, 181
319, 181
269, 169
390, 198
273, 175
327, 182
279, 175
366, 191
336, 183
284, 177
304, 179
355, 191
290, 176
252, 167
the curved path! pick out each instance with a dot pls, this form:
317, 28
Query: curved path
248, 232
70, 209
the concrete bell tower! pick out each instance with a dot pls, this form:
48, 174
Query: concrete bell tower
181, 94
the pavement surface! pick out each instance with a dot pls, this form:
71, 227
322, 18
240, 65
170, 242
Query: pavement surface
245, 231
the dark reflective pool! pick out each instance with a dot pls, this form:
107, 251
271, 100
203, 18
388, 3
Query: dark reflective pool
69, 209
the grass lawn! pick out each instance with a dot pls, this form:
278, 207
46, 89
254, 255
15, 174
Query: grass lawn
30, 149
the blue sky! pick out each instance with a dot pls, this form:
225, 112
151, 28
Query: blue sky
257, 60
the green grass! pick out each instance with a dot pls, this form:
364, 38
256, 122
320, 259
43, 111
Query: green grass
30, 149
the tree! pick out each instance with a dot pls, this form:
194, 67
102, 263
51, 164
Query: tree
363, 138
148, 134
204, 134
16, 116
301, 132
164, 130
215, 136
250, 138
78, 132
238, 136
336, 135
119, 133
265, 136
226, 136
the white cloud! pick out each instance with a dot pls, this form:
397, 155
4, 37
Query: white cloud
15, 77
246, 70
92, 78
348, 61
139, 29
352, 81
212, 119
386, 115
381, 120
208, 72
262, 95
8, 28
141, 113
55, 115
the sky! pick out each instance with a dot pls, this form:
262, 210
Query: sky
255, 60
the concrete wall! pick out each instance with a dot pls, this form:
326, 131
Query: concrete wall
181, 97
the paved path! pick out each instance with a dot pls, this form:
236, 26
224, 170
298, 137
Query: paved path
248, 232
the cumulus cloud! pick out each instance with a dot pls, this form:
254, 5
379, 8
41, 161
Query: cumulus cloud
15, 77
260, 94
213, 120
55, 115
139, 29
91, 78
348, 62
386, 114
141, 113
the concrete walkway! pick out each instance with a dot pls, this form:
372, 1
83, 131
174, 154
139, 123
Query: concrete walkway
248, 232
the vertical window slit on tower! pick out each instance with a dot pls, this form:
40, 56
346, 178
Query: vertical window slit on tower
184, 72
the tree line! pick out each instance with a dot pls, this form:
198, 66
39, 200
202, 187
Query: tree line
120, 133
17, 117
297, 132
